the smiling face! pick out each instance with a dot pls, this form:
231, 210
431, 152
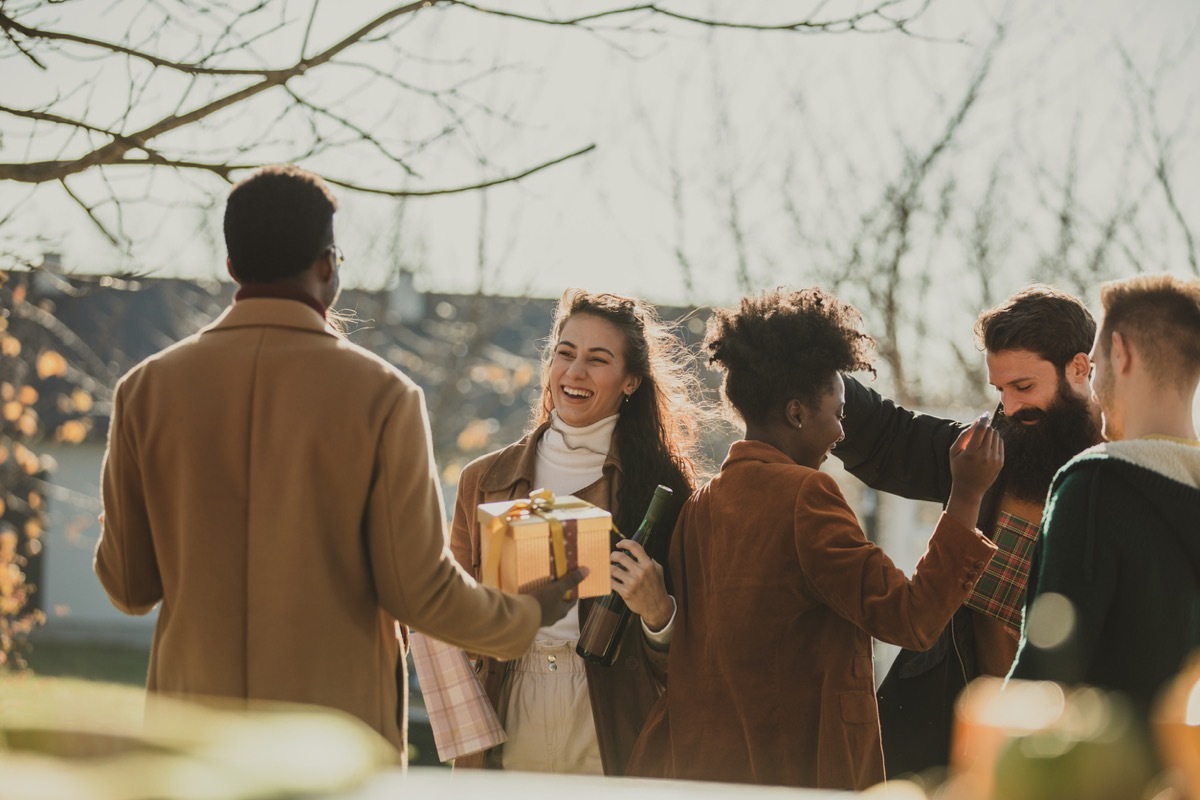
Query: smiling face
588, 379
820, 425
1027, 383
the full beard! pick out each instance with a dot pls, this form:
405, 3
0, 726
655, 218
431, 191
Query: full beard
1033, 453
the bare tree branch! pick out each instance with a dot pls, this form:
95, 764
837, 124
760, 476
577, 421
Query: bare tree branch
44, 171
851, 23
358, 187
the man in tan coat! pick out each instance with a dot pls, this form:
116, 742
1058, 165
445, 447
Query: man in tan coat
273, 487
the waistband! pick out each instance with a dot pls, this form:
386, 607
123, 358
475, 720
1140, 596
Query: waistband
546, 658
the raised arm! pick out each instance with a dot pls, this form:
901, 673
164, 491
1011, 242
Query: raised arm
894, 450
859, 581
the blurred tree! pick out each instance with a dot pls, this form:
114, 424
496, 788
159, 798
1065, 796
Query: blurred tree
953, 217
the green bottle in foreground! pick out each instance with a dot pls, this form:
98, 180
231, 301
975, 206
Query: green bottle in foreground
600, 638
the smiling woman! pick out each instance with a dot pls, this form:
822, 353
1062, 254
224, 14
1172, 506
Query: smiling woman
779, 590
588, 376
617, 416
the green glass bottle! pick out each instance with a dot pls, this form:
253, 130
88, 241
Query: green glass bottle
601, 635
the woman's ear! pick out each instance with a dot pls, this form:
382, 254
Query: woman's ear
632, 384
794, 413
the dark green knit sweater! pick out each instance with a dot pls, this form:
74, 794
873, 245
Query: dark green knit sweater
1121, 540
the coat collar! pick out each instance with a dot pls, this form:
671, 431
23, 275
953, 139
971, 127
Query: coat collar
514, 466
277, 312
747, 450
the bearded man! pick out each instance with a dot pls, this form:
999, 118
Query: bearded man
1036, 347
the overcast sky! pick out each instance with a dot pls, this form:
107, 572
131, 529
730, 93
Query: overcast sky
704, 139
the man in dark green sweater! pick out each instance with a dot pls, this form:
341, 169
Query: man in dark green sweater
1115, 592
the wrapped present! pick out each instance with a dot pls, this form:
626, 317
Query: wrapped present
1000, 591
527, 543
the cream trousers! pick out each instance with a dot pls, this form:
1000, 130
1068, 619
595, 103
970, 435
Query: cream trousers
547, 714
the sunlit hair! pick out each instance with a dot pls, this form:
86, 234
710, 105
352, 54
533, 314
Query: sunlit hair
1041, 319
780, 345
1160, 316
657, 432
277, 221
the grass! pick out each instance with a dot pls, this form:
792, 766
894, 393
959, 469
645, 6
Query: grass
90, 661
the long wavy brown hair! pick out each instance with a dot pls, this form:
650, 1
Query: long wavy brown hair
657, 433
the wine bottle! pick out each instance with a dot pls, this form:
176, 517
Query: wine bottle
601, 635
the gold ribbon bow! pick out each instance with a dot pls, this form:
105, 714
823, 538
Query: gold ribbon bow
537, 504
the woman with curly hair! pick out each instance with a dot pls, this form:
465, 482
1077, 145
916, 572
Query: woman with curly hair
617, 416
779, 591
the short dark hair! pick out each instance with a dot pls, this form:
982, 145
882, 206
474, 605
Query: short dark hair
1160, 315
781, 344
1042, 320
276, 222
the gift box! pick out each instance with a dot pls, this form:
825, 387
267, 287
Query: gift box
527, 543
1000, 591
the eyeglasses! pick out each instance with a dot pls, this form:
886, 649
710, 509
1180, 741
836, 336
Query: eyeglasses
339, 257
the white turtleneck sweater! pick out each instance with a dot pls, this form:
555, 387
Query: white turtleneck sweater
570, 459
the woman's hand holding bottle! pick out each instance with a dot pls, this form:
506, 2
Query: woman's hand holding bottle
639, 580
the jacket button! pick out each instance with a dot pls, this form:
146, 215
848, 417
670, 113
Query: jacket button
968, 584
978, 565
972, 574
631, 663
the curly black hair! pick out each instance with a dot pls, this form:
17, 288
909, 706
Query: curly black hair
783, 344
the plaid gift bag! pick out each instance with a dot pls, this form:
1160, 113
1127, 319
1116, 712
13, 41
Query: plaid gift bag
460, 714
1000, 590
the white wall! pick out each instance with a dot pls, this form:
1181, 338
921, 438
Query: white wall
75, 604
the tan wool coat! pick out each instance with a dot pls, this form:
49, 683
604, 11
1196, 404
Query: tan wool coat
273, 487
771, 676
621, 695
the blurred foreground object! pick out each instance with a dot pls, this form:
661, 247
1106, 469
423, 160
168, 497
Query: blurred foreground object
1033, 740
1177, 727
87, 741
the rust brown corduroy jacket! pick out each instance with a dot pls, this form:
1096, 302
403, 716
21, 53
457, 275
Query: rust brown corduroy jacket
779, 593
621, 695
273, 486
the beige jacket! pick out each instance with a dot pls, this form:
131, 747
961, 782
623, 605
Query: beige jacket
273, 486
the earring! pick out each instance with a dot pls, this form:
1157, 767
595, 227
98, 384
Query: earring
798, 425
627, 397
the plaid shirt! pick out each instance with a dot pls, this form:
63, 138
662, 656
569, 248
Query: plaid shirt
1000, 590
460, 713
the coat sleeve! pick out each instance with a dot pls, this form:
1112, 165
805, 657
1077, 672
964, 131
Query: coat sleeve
1075, 563
418, 580
125, 559
894, 450
464, 528
857, 580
